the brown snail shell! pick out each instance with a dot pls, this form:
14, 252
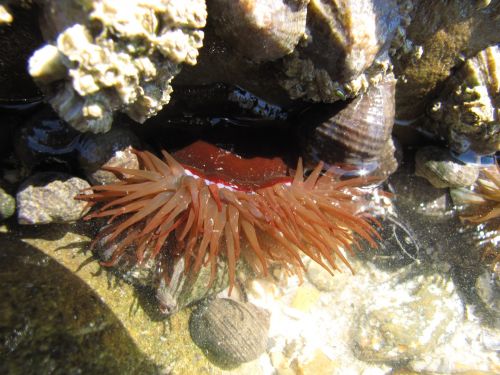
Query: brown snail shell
231, 331
441, 170
261, 30
357, 134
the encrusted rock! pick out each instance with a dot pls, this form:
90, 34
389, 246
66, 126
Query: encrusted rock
49, 197
231, 331
7, 205
112, 57
445, 32
412, 318
467, 112
345, 49
113, 149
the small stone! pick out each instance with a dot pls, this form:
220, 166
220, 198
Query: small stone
411, 319
231, 331
320, 277
7, 205
112, 149
319, 364
488, 290
305, 298
49, 197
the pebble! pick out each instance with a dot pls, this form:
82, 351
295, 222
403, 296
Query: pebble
49, 197
320, 277
407, 319
319, 364
231, 331
7, 205
488, 290
305, 298
112, 149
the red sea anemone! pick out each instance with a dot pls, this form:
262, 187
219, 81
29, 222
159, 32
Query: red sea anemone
210, 203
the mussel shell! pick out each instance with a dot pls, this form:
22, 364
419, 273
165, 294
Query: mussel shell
261, 30
355, 132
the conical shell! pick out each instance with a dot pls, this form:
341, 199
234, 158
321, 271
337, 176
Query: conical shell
356, 134
261, 30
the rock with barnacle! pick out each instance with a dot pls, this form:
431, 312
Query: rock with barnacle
443, 34
467, 112
217, 205
110, 57
48, 197
231, 331
345, 49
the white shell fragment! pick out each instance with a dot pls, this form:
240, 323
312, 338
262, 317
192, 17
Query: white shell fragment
116, 56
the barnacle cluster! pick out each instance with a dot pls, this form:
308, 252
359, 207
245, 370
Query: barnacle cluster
467, 111
113, 56
341, 55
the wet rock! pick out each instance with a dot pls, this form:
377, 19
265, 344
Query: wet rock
45, 139
7, 205
411, 319
49, 197
231, 331
445, 32
112, 149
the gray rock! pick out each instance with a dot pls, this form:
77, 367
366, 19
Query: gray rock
231, 331
49, 197
407, 320
7, 205
112, 149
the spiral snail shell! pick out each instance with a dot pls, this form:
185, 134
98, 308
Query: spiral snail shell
356, 133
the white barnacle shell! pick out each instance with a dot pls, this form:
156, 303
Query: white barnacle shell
124, 64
